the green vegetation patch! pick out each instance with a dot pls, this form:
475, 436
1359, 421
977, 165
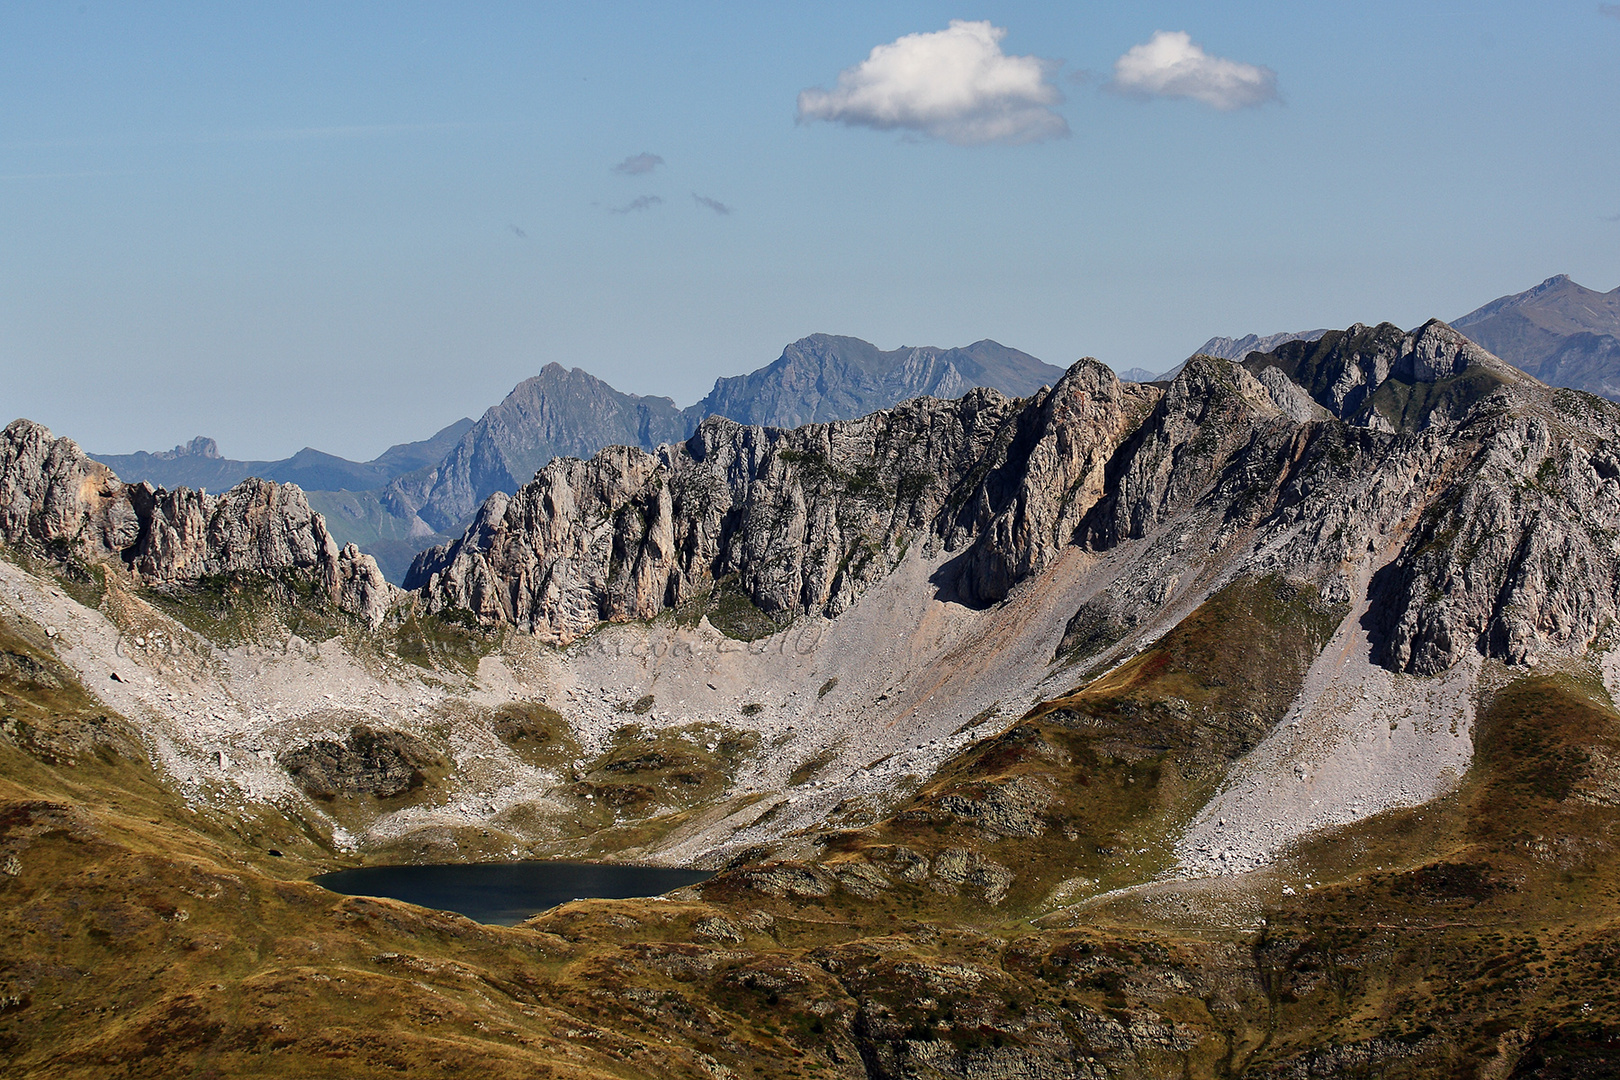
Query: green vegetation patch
238, 609
536, 733
452, 640
649, 772
808, 769
733, 612
48, 714
1409, 405
1538, 739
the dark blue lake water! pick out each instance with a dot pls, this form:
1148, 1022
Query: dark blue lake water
507, 893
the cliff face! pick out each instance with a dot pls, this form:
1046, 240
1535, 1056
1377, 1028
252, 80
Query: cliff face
57, 500
1480, 501
801, 518
801, 521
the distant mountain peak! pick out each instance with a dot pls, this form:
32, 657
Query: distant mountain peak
1226, 348
1559, 331
825, 377
199, 447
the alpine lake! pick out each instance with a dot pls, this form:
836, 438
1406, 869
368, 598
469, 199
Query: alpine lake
505, 894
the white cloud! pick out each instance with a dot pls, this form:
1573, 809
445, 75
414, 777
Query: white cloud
1173, 65
955, 84
638, 164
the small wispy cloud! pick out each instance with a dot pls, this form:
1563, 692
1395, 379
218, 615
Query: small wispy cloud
642, 202
953, 84
1611, 10
517, 232
1172, 65
1611, 217
638, 164
713, 204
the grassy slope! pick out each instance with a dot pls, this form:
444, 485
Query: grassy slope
140, 939
1480, 927
1086, 791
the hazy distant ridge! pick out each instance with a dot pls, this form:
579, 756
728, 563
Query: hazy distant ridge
198, 464
1562, 333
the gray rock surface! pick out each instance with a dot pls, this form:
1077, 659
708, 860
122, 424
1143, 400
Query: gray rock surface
1034, 495
798, 520
59, 502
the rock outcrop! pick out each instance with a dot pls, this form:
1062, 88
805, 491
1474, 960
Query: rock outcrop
797, 521
1517, 556
1035, 493
1389, 379
381, 763
1482, 494
58, 501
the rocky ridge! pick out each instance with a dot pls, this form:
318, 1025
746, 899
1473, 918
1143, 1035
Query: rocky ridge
1492, 494
1226, 348
799, 521
58, 501
1460, 509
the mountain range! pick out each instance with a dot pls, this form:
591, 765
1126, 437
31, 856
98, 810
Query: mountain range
1561, 332
1254, 723
198, 464
417, 494
1226, 348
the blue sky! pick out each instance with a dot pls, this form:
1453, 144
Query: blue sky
347, 225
